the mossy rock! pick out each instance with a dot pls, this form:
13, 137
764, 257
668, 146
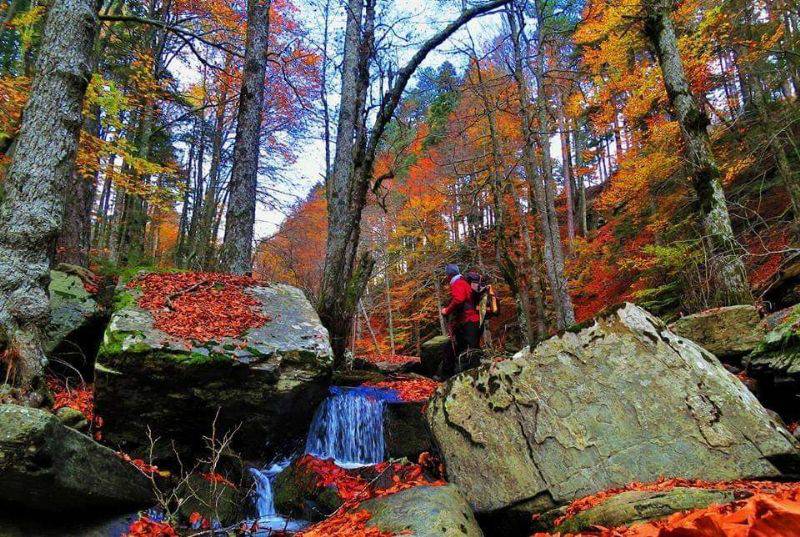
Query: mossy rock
424, 511
297, 493
47, 466
728, 332
778, 355
213, 501
634, 506
431, 354
270, 379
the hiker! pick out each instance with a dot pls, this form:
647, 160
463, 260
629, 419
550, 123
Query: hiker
464, 325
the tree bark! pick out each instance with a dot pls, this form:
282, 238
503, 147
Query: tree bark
237, 247
729, 283
43, 161
344, 277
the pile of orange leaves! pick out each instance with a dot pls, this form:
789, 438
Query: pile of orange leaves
79, 397
376, 358
200, 306
146, 527
411, 390
773, 510
345, 524
353, 488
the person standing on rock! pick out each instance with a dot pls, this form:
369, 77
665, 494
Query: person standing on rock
464, 324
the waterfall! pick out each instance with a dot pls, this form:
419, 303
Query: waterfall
348, 426
268, 519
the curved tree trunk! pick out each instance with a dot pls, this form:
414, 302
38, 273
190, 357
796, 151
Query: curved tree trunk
43, 161
237, 247
730, 283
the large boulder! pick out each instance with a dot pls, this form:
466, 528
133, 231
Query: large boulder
405, 430
728, 332
775, 363
423, 512
620, 401
76, 319
265, 384
46, 466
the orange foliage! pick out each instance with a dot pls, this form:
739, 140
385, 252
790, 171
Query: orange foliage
345, 524
375, 358
213, 477
80, 398
409, 389
146, 527
200, 306
143, 467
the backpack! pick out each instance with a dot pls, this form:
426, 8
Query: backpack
486, 301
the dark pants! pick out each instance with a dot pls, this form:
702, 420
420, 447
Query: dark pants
463, 352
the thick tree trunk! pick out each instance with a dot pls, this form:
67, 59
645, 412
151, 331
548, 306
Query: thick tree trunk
43, 161
730, 283
74, 240
237, 247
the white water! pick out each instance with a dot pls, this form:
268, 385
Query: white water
268, 519
348, 427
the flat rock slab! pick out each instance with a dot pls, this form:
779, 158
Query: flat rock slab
621, 401
424, 512
727, 332
634, 506
267, 382
72, 308
46, 466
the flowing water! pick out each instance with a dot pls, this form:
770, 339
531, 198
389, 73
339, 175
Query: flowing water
348, 426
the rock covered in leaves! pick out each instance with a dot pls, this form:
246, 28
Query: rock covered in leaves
623, 400
47, 466
634, 506
423, 512
170, 361
727, 332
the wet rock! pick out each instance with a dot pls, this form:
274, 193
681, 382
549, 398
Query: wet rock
728, 332
620, 401
634, 506
424, 512
431, 354
21, 523
265, 384
47, 466
405, 431
297, 493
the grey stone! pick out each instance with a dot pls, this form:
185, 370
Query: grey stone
634, 506
620, 401
777, 356
146, 377
47, 466
72, 418
405, 431
431, 353
727, 332
424, 512
72, 308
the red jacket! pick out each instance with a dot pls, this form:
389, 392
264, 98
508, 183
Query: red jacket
462, 302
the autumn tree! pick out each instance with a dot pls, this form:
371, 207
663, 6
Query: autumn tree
43, 160
347, 272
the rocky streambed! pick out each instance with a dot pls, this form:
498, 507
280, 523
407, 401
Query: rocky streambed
253, 434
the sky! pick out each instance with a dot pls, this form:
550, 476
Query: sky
424, 18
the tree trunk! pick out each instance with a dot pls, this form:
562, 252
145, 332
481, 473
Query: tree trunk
237, 248
543, 186
730, 283
74, 240
43, 161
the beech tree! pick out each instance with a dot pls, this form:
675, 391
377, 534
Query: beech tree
728, 271
240, 219
42, 163
346, 272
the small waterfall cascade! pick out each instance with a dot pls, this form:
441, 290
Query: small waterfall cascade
268, 519
348, 426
